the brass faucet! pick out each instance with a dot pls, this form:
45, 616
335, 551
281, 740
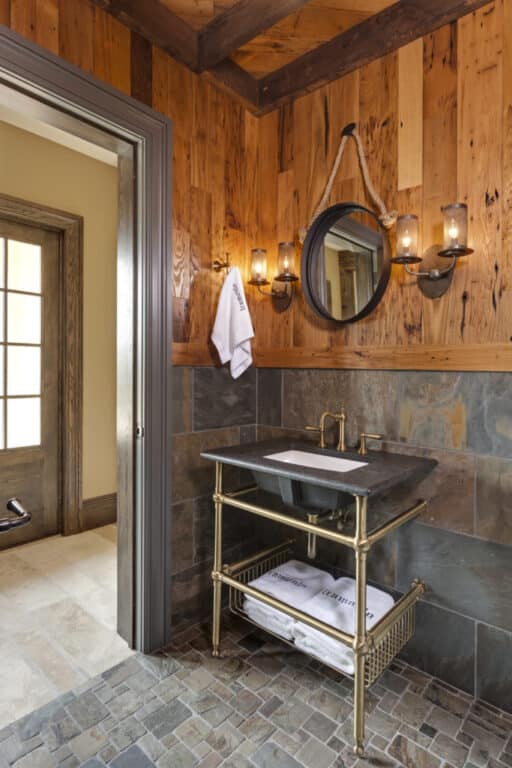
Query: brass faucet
340, 418
363, 450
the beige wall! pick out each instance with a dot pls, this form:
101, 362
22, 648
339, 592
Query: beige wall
43, 172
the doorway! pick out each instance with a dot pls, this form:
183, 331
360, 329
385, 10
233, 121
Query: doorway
30, 373
38, 85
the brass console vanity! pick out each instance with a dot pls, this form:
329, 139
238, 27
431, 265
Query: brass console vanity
374, 649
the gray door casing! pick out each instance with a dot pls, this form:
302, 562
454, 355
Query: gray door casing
43, 86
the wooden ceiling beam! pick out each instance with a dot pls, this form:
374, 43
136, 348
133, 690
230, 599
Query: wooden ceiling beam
379, 34
235, 80
230, 30
159, 25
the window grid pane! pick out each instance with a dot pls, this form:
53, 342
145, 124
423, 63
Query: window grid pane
23, 267
20, 278
23, 422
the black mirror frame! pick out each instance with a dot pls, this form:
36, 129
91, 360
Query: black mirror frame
315, 236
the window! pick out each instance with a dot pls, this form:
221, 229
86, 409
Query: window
20, 344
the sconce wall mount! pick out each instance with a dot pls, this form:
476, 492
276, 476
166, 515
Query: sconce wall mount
435, 278
282, 286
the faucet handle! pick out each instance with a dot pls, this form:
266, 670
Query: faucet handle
363, 450
320, 430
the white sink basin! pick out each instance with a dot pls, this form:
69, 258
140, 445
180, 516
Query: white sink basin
316, 461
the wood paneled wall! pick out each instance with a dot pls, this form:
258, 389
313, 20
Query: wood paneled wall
436, 120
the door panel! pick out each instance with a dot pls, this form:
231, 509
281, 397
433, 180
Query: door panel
30, 376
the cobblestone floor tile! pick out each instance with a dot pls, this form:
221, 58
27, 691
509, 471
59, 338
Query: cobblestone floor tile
133, 757
314, 754
178, 757
272, 756
410, 754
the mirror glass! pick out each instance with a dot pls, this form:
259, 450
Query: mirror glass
345, 263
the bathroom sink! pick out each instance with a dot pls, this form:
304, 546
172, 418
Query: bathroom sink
317, 461
300, 493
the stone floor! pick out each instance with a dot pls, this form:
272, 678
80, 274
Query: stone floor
57, 618
261, 706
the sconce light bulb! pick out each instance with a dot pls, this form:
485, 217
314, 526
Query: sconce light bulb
406, 241
453, 231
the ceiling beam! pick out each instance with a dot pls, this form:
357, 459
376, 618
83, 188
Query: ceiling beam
235, 80
159, 25
231, 29
382, 33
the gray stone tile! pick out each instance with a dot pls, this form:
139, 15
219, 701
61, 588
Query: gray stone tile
133, 757
211, 708
314, 754
89, 743
494, 666
320, 726
445, 698
309, 392
449, 488
221, 401
494, 499
330, 705
443, 645
291, 715
433, 410
124, 705
39, 758
225, 739
412, 709
181, 402
410, 754
489, 402
449, 749
463, 574
272, 756
167, 718
87, 710
126, 733
269, 396
192, 475
257, 729
178, 757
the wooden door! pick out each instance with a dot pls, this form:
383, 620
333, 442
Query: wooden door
30, 368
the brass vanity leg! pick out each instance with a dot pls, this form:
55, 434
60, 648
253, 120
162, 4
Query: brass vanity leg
360, 641
217, 563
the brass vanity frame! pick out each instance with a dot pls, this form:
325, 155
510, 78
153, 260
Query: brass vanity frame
363, 642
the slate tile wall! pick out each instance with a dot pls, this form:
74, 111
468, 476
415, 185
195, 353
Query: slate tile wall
209, 410
462, 546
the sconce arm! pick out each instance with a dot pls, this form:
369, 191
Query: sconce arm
433, 274
284, 294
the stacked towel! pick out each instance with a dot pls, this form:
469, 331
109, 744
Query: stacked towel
335, 605
294, 583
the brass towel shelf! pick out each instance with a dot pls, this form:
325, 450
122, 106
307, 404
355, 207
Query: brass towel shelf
374, 649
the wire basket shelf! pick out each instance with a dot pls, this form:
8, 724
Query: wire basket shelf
381, 653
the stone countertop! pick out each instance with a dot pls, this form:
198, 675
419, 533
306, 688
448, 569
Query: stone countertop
382, 471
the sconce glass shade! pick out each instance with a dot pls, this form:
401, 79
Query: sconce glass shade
455, 230
286, 263
407, 233
258, 267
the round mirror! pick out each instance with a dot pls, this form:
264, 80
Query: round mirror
345, 263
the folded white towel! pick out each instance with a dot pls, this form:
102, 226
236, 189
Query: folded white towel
335, 605
294, 583
233, 331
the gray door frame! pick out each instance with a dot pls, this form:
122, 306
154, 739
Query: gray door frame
45, 87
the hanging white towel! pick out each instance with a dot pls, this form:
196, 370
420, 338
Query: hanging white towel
294, 583
233, 331
335, 605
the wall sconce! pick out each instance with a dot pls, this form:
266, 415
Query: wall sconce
435, 280
286, 276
